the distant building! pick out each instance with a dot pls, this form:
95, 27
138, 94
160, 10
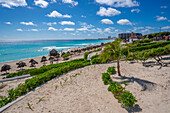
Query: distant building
109, 37
132, 35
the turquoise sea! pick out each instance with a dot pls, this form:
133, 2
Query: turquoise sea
17, 50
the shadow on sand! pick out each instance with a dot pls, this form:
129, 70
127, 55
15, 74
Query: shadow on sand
146, 85
134, 109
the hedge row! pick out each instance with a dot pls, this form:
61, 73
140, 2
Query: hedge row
143, 41
66, 55
150, 53
40, 79
122, 95
36, 71
87, 53
155, 45
106, 78
111, 70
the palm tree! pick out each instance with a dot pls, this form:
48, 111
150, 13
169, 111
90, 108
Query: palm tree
113, 51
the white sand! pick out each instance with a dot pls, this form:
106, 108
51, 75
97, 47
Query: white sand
86, 93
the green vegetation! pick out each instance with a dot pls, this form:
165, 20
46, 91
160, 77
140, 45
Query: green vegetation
106, 78
158, 34
122, 95
42, 78
66, 55
154, 45
127, 99
111, 70
36, 71
113, 51
87, 53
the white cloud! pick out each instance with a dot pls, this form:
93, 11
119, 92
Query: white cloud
53, 1
89, 34
160, 18
69, 29
33, 30
67, 23
58, 15
83, 29
50, 23
7, 22
108, 12
166, 27
83, 16
99, 30
72, 2
146, 30
107, 30
119, 3
135, 10
168, 20
28, 23
13, 3
124, 22
106, 21
19, 30
164, 7
52, 29
41, 3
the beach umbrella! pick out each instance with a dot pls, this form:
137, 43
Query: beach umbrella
21, 64
43, 59
58, 55
53, 52
33, 62
5, 67
51, 60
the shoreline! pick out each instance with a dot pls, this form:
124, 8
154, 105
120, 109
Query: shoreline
38, 59
63, 50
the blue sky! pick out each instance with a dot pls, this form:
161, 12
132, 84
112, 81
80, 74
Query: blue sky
80, 19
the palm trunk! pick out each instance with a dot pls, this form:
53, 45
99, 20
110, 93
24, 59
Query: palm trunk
118, 68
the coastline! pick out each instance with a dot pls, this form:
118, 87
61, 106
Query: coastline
38, 59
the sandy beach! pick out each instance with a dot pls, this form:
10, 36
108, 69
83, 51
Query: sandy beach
87, 93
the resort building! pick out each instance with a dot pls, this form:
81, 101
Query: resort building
132, 35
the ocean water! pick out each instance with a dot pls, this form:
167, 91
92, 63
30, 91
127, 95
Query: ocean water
17, 50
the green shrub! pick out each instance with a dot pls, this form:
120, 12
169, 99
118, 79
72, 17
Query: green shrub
96, 61
127, 99
66, 55
95, 56
154, 45
86, 54
143, 41
36, 71
106, 78
116, 88
111, 70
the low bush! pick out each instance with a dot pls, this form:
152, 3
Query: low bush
154, 45
143, 41
66, 55
96, 61
106, 78
36, 71
123, 96
87, 53
127, 99
40, 79
111, 70
116, 88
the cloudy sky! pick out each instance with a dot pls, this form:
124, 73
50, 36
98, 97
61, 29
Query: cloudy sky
79, 19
